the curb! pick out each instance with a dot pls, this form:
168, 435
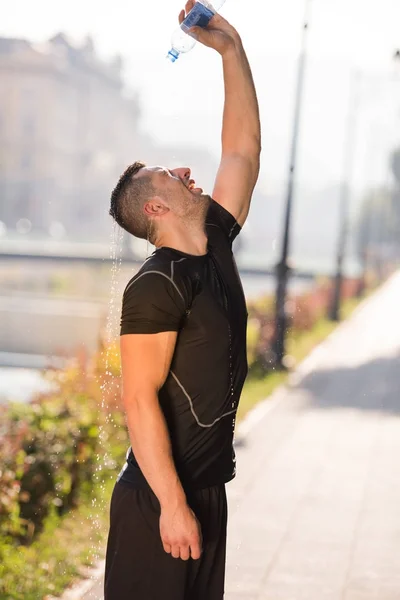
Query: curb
81, 587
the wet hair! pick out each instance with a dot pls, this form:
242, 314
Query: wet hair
127, 201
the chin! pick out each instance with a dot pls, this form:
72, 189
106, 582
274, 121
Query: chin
198, 207
196, 192
201, 197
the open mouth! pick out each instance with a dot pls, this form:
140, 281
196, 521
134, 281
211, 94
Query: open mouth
192, 187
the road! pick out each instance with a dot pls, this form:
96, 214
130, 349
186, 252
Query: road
314, 510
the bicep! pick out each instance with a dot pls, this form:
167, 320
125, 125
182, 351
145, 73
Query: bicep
145, 361
237, 175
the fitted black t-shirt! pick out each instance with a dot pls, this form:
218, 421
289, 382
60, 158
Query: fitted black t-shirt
200, 297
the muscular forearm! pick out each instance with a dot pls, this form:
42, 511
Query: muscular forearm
241, 122
152, 448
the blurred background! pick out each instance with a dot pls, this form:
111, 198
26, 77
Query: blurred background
85, 90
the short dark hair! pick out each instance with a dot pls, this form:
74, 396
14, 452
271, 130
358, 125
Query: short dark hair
127, 201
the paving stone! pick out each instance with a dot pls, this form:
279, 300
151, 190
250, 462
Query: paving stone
369, 590
298, 590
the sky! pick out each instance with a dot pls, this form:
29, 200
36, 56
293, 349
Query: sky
182, 103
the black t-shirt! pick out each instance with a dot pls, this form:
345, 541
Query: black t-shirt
200, 297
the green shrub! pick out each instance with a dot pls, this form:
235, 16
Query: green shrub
52, 448
303, 313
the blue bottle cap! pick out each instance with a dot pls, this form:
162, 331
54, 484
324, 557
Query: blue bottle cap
173, 55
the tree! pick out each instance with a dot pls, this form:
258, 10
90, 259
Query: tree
374, 223
395, 164
378, 223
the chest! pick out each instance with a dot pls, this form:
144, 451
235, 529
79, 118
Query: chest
219, 306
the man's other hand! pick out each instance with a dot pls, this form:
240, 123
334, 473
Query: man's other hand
180, 532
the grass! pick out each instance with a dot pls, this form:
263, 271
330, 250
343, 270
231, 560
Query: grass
299, 345
61, 552
256, 390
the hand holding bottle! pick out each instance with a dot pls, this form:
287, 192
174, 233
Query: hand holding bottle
195, 23
217, 34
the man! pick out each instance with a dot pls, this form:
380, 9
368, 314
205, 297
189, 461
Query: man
183, 357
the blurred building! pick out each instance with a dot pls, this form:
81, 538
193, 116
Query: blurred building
67, 129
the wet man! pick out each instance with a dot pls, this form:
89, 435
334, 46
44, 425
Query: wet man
183, 354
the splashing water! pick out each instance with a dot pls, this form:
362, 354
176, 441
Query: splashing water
103, 457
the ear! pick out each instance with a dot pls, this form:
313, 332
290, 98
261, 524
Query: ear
155, 207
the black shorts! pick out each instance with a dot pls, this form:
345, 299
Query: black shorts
137, 566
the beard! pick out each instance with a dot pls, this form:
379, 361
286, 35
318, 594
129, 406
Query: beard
189, 206
197, 206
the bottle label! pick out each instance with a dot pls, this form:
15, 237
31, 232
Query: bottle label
199, 16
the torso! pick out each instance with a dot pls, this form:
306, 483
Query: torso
202, 391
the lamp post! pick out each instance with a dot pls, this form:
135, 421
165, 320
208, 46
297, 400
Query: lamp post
396, 62
282, 268
366, 224
348, 159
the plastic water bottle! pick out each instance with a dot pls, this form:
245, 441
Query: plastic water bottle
200, 15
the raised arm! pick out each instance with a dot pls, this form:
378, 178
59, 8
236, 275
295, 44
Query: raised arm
145, 362
241, 134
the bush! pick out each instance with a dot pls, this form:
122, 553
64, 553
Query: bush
303, 312
11, 470
50, 449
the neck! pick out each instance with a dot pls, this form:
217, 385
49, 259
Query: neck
188, 240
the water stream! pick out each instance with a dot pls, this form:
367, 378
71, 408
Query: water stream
103, 458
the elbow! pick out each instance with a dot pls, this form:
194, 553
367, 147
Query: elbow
257, 145
252, 141
247, 146
252, 149
138, 398
129, 400
254, 159
132, 408
255, 155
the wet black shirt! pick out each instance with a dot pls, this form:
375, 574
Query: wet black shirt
200, 297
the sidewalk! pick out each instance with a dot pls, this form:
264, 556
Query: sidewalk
314, 512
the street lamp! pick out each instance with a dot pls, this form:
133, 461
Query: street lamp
348, 158
282, 268
367, 225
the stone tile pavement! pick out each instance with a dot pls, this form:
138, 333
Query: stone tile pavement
314, 512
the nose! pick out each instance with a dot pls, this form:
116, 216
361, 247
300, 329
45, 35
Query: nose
182, 172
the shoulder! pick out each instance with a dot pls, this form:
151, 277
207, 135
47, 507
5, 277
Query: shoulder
220, 222
155, 299
159, 277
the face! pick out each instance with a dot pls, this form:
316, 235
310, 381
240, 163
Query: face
177, 190
177, 177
